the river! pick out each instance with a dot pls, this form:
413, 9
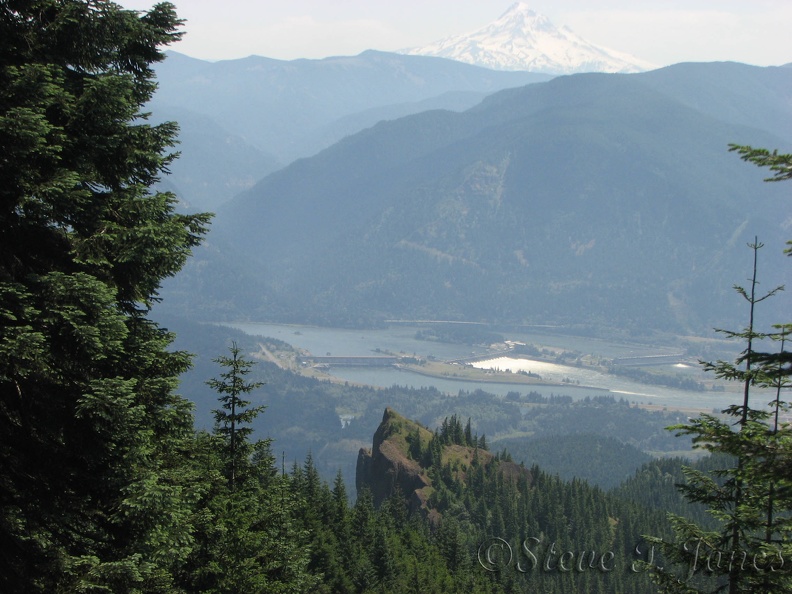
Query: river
579, 381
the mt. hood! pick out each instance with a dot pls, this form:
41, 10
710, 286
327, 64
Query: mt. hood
522, 39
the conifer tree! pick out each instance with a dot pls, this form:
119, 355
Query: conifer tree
247, 537
234, 416
745, 554
752, 498
779, 164
91, 431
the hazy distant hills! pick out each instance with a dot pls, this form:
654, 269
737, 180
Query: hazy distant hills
242, 119
522, 39
607, 200
214, 165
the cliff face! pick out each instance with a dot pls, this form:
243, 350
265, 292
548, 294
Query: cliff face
387, 467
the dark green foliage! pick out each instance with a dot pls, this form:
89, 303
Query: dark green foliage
246, 538
494, 498
303, 414
780, 165
92, 435
606, 416
233, 419
655, 485
105, 487
748, 495
599, 460
452, 433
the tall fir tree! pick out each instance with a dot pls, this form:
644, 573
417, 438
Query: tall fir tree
234, 416
247, 538
750, 494
91, 430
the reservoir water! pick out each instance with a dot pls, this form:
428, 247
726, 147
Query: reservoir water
579, 382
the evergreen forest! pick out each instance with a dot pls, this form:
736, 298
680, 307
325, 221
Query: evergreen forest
117, 477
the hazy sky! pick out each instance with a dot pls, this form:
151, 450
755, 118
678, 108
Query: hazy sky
662, 32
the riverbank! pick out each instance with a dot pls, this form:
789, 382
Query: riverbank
467, 373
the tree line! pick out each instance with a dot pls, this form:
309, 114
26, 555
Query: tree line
106, 486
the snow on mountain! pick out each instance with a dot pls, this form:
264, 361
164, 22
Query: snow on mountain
522, 39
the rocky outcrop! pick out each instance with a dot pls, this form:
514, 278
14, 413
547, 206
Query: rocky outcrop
387, 467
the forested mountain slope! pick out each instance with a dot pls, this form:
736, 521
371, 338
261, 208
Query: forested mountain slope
282, 110
609, 200
532, 532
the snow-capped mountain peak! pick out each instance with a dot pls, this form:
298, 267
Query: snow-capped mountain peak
522, 39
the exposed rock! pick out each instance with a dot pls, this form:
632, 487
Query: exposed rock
387, 466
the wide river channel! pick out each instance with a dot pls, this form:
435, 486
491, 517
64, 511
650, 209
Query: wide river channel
579, 382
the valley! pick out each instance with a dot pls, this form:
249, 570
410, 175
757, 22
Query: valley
558, 364
476, 214
372, 323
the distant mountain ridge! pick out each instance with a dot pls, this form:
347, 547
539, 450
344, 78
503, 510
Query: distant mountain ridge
606, 200
283, 110
522, 39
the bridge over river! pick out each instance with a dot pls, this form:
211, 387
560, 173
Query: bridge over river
351, 361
